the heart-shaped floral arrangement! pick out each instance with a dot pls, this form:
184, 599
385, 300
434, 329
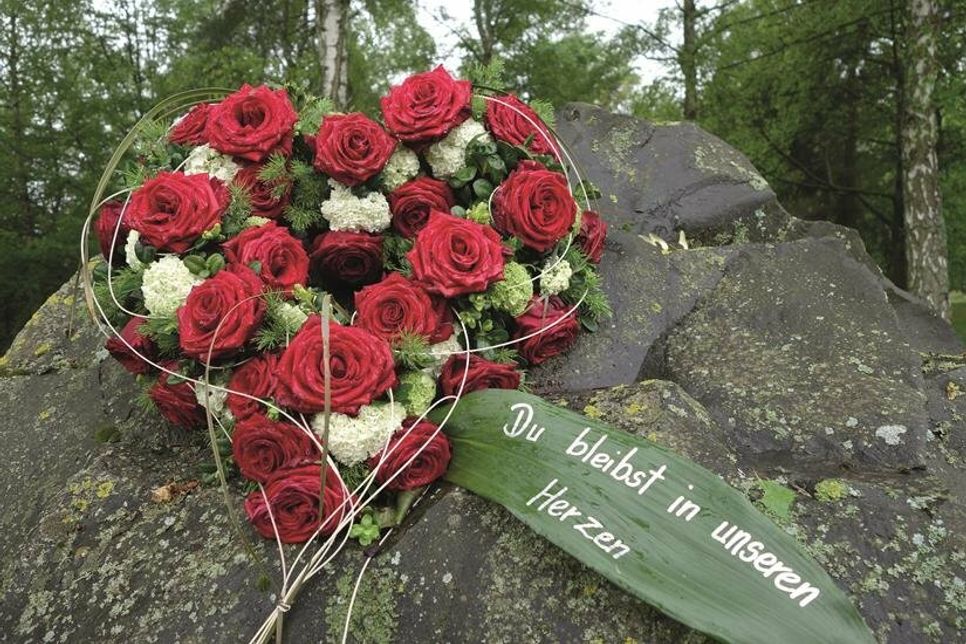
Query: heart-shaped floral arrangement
309, 284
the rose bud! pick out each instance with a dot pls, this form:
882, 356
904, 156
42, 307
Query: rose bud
282, 259
176, 401
352, 148
172, 209
535, 206
397, 305
221, 314
426, 442
257, 378
554, 330
261, 194
361, 369
482, 374
412, 202
131, 343
105, 226
293, 503
453, 256
513, 121
347, 257
262, 447
253, 123
593, 233
190, 128
426, 106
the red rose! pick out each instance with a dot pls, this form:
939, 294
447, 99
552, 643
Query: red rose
190, 130
535, 206
482, 374
547, 341
352, 148
104, 228
412, 202
256, 377
132, 342
221, 314
282, 259
262, 447
252, 123
261, 194
593, 232
176, 401
513, 121
361, 368
454, 256
172, 210
293, 503
426, 106
432, 453
352, 258
396, 305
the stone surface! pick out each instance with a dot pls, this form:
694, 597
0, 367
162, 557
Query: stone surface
771, 350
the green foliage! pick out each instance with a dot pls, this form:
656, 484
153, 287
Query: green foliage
278, 328
585, 282
309, 190
122, 291
163, 330
412, 351
776, 499
724, 596
365, 530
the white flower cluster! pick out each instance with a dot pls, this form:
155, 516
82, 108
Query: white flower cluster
448, 156
345, 211
166, 284
440, 352
204, 159
213, 399
353, 440
556, 276
130, 250
402, 166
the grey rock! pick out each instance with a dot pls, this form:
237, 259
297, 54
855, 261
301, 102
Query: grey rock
771, 350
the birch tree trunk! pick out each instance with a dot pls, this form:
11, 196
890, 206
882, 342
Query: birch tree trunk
925, 231
331, 23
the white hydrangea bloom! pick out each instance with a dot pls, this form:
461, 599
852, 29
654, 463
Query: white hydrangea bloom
402, 166
556, 276
353, 440
292, 315
448, 156
166, 284
130, 254
345, 211
213, 398
440, 352
204, 159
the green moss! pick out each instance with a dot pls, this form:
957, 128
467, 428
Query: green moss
375, 613
831, 490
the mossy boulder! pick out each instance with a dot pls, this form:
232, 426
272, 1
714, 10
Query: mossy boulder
771, 351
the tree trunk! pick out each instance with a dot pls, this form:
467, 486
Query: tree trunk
331, 25
897, 234
688, 60
928, 276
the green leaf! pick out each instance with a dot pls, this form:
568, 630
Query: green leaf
776, 498
617, 503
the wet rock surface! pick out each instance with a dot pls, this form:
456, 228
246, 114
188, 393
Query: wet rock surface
770, 351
